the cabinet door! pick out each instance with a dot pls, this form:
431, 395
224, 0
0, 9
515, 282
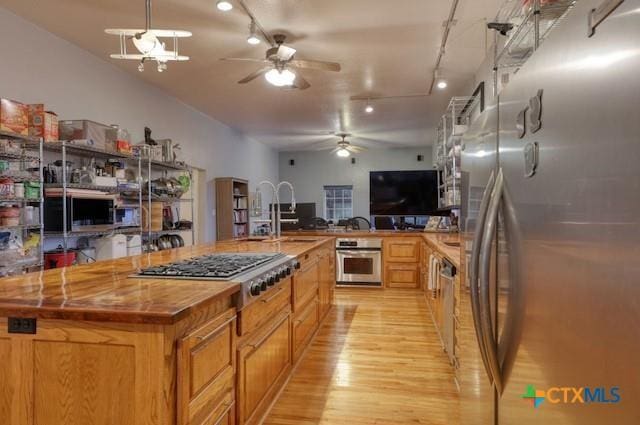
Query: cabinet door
257, 314
305, 324
401, 250
263, 365
305, 284
206, 371
402, 275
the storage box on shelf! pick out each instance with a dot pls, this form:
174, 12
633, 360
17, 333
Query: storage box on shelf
21, 232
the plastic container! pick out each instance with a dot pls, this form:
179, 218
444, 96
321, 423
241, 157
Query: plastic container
18, 190
6, 187
32, 190
90, 133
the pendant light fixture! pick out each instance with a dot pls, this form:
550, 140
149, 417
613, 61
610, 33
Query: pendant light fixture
148, 43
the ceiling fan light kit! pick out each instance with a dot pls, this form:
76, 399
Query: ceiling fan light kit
343, 153
224, 5
280, 78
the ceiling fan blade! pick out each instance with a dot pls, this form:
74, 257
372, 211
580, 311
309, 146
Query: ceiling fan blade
285, 53
254, 75
323, 145
334, 150
320, 65
245, 60
356, 149
300, 82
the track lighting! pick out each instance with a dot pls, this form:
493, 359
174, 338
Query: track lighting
369, 108
141, 66
162, 66
224, 5
253, 37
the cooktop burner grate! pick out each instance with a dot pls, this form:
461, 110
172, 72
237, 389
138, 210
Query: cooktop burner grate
214, 266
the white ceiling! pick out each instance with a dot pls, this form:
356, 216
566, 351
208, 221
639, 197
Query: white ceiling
386, 47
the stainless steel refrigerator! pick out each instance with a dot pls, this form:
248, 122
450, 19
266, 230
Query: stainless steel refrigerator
551, 228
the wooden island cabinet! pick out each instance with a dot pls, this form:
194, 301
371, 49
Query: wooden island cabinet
93, 345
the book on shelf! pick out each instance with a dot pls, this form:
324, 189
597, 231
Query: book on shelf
239, 203
240, 216
239, 230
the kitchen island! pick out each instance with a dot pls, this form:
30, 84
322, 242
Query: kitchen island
95, 344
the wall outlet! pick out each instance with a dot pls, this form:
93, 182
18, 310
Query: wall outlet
20, 325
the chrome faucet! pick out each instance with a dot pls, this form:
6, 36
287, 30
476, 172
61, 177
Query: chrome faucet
292, 209
276, 217
274, 199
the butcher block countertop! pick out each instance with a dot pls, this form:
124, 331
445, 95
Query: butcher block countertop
105, 291
437, 240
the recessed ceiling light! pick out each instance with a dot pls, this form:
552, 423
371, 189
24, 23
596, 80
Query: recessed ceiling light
442, 84
343, 153
224, 5
369, 109
253, 40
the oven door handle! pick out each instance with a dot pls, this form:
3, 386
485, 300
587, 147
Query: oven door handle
355, 253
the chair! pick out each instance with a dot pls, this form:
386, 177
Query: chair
384, 223
360, 223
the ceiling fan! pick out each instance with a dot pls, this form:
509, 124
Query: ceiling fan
281, 66
345, 148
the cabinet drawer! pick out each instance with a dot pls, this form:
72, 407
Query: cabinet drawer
405, 250
206, 369
263, 364
304, 325
263, 310
305, 285
402, 275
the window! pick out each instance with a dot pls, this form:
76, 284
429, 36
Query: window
338, 202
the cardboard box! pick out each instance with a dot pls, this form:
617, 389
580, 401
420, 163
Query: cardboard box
14, 117
43, 123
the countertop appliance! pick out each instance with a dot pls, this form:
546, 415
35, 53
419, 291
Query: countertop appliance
85, 211
550, 227
359, 262
256, 272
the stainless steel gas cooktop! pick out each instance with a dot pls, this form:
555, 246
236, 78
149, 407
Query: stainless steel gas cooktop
256, 272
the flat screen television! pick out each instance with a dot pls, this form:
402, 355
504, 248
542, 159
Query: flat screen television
403, 193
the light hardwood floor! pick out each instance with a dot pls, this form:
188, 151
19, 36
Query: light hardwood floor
376, 360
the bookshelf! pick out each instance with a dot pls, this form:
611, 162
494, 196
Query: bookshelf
232, 208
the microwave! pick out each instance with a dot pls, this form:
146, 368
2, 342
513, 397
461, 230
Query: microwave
127, 216
84, 213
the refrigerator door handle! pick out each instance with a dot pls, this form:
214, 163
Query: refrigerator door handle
490, 339
473, 273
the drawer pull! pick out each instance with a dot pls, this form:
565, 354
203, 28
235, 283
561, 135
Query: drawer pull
273, 296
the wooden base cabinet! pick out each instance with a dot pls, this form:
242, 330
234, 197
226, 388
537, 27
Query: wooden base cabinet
206, 372
401, 260
305, 324
264, 364
101, 373
327, 284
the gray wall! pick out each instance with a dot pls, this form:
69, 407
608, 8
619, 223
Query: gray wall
313, 170
39, 67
